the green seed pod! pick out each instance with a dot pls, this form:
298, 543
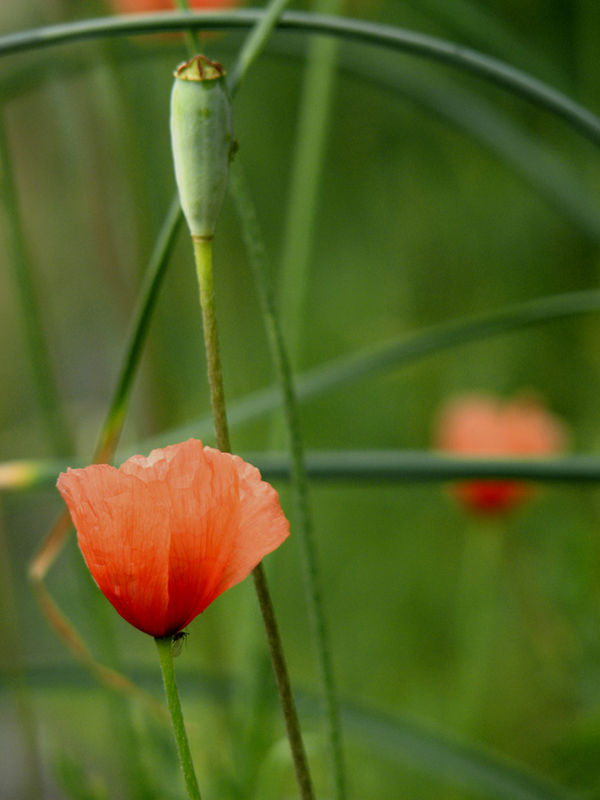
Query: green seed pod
202, 141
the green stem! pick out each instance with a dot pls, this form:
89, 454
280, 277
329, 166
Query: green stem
476, 618
204, 271
165, 655
257, 254
153, 277
256, 40
191, 42
13, 668
302, 206
284, 688
357, 466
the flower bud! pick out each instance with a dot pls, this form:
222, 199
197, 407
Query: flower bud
202, 141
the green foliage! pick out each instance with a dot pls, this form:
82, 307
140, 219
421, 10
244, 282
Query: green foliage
77, 782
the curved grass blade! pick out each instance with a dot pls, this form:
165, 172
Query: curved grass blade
345, 370
542, 168
479, 24
534, 161
398, 39
357, 466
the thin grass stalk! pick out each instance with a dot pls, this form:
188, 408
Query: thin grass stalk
204, 272
14, 671
104, 675
153, 278
528, 155
470, 21
302, 204
251, 49
476, 607
298, 239
46, 388
257, 39
257, 255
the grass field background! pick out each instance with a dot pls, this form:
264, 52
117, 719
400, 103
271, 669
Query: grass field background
438, 197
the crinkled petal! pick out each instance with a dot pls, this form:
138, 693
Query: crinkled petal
204, 518
164, 535
263, 525
122, 530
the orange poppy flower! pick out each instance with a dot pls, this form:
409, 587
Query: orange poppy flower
479, 425
163, 536
140, 6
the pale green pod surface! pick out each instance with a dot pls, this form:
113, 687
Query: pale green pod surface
202, 141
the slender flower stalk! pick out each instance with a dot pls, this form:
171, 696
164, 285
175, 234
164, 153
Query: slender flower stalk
201, 136
279, 353
476, 613
204, 272
203, 256
314, 114
164, 645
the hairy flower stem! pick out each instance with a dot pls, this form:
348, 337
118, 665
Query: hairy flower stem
258, 260
164, 646
284, 688
203, 258
204, 272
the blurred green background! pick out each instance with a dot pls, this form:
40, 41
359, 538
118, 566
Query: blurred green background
438, 197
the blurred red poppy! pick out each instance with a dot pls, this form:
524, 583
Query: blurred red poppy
163, 536
139, 6
480, 425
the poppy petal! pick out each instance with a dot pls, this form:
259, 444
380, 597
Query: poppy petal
164, 535
263, 525
124, 540
480, 425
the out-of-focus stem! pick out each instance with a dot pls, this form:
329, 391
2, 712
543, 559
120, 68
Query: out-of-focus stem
13, 667
39, 356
